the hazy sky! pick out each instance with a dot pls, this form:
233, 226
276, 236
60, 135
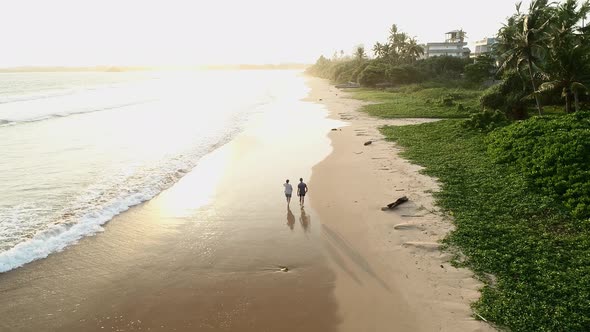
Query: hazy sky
127, 32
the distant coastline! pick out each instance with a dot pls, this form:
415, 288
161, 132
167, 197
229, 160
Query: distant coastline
114, 69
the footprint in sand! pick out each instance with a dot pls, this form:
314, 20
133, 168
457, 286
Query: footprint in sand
407, 227
427, 246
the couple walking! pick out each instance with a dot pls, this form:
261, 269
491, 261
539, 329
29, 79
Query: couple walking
301, 191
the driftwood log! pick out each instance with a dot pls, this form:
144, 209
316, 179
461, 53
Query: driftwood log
368, 143
393, 205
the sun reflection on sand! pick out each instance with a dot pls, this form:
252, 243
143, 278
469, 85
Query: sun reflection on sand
197, 188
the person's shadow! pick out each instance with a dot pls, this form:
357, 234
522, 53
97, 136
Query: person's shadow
290, 219
304, 220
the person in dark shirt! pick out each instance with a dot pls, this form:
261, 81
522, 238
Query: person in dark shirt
301, 191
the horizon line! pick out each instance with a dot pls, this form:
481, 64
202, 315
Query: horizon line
152, 67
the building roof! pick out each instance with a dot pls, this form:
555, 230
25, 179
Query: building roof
446, 43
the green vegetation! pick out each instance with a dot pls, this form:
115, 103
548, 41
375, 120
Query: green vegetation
419, 101
516, 184
543, 56
519, 193
396, 62
549, 49
553, 155
511, 222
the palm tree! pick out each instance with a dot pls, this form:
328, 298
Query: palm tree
412, 50
392, 33
523, 41
359, 53
396, 43
565, 72
378, 50
569, 53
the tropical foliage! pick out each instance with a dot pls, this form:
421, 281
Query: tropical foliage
553, 154
545, 46
549, 48
518, 191
396, 61
532, 253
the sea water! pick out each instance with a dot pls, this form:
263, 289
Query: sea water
78, 148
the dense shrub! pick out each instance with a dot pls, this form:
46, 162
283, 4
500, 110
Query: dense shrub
493, 99
343, 71
447, 100
405, 74
358, 70
481, 70
507, 96
371, 75
443, 65
553, 154
441, 71
487, 120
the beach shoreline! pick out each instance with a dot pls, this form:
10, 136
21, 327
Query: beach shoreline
390, 272
216, 251
219, 250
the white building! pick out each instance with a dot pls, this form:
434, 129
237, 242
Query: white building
454, 45
483, 46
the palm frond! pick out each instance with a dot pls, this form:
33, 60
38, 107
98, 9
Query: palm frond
579, 87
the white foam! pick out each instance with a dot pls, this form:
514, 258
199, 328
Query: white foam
71, 102
86, 215
36, 221
57, 237
14, 120
36, 96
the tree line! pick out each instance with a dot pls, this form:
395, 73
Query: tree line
541, 57
396, 61
548, 48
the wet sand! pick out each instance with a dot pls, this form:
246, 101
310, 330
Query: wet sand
209, 254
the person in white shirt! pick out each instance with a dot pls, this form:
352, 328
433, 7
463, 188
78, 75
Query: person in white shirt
288, 191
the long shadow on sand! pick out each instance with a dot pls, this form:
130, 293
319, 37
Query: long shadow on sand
338, 243
333, 251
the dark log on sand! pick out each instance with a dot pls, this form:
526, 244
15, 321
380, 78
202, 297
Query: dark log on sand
393, 205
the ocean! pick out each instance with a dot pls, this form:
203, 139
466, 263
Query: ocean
78, 148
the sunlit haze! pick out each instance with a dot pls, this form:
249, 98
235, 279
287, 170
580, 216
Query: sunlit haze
108, 32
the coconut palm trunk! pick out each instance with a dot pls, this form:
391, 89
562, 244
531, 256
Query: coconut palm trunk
576, 101
568, 100
535, 89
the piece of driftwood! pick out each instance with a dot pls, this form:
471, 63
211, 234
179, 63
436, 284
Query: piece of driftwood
368, 143
393, 205
480, 316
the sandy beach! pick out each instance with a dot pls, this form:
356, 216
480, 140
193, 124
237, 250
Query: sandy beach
220, 251
390, 273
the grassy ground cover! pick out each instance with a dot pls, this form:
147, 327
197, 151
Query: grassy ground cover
419, 101
518, 196
534, 258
